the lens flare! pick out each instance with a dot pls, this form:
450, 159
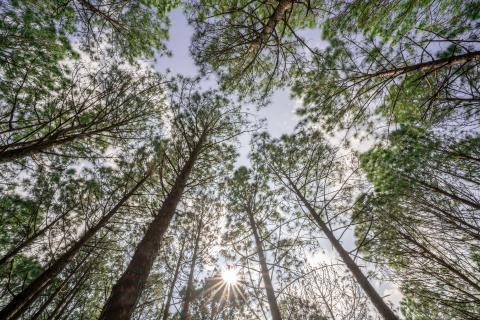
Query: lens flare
230, 276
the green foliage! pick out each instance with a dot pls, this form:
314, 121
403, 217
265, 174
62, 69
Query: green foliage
228, 39
389, 168
18, 219
82, 119
18, 273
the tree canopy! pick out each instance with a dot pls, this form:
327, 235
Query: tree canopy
128, 192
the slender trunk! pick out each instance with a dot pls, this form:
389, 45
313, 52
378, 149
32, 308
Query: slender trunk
461, 155
457, 99
442, 262
435, 64
44, 305
272, 300
60, 138
60, 308
126, 292
37, 147
31, 292
115, 24
184, 315
361, 279
166, 307
449, 218
65, 302
445, 193
29, 240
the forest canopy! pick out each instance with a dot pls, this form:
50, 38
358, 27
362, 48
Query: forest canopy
128, 191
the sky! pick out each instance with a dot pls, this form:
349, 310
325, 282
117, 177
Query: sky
280, 112
280, 115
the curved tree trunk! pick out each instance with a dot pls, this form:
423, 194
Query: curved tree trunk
31, 292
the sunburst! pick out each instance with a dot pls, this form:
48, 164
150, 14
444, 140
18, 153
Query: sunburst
227, 285
230, 276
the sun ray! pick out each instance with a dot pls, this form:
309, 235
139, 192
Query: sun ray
230, 276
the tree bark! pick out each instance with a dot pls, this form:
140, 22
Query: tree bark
361, 279
277, 15
435, 64
31, 292
184, 315
37, 146
272, 300
166, 307
44, 305
126, 292
64, 303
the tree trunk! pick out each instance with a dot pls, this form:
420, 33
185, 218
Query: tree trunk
184, 315
432, 256
59, 138
272, 300
166, 307
30, 293
361, 279
44, 305
67, 299
435, 64
277, 15
115, 24
126, 292
447, 194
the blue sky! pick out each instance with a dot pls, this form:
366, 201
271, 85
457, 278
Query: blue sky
280, 112
280, 116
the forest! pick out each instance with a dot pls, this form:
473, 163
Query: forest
129, 190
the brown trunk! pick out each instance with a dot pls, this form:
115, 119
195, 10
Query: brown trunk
184, 315
115, 24
280, 10
65, 302
435, 64
452, 196
30, 293
449, 218
59, 138
272, 300
166, 307
126, 292
59, 288
361, 279
277, 15
37, 147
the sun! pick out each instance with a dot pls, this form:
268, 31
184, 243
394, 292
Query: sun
230, 276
